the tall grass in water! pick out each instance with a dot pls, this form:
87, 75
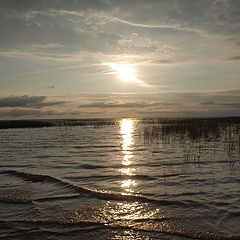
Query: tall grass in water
197, 137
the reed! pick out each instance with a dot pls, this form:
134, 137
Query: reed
197, 137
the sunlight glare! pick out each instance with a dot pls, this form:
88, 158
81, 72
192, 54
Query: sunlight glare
127, 144
127, 184
126, 73
128, 171
126, 130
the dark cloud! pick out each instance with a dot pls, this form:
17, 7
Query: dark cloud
49, 87
27, 101
235, 58
207, 103
26, 112
169, 100
232, 105
118, 105
132, 104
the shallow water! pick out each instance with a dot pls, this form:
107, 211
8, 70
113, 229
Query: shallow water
108, 182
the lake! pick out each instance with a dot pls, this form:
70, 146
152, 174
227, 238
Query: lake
120, 179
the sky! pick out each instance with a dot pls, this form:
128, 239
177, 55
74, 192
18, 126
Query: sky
119, 58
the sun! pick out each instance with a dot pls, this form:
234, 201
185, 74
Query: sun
125, 72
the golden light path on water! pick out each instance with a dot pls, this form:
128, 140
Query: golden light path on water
126, 131
123, 213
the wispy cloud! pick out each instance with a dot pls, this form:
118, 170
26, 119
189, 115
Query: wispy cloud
187, 51
29, 113
49, 87
27, 102
118, 105
234, 58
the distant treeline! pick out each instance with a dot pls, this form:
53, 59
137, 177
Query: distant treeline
177, 124
4, 124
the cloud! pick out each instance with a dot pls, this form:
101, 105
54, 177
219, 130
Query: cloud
164, 99
172, 44
27, 102
155, 104
232, 105
24, 6
53, 29
30, 113
235, 58
162, 61
205, 16
49, 87
207, 103
60, 29
36, 113
118, 105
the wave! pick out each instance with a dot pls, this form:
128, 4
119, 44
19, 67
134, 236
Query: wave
117, 177
76, 189
155, 225
92, 166
96, 146
164, 225
16, 197
115, 166
80, 191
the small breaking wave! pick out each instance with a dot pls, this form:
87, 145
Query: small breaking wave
104, 195
161, 225
81, 191
117, 177
17, 197
96, 146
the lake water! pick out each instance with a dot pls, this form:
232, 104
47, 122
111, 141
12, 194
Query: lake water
113, 181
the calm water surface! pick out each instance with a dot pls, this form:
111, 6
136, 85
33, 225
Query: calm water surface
108, 182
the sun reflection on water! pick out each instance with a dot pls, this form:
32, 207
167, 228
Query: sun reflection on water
128, 184
127, 144
126, 130
130, 212
128, 171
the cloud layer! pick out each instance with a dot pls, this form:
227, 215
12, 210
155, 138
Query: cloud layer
27, 102
54, 55
56, 28
154, 104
